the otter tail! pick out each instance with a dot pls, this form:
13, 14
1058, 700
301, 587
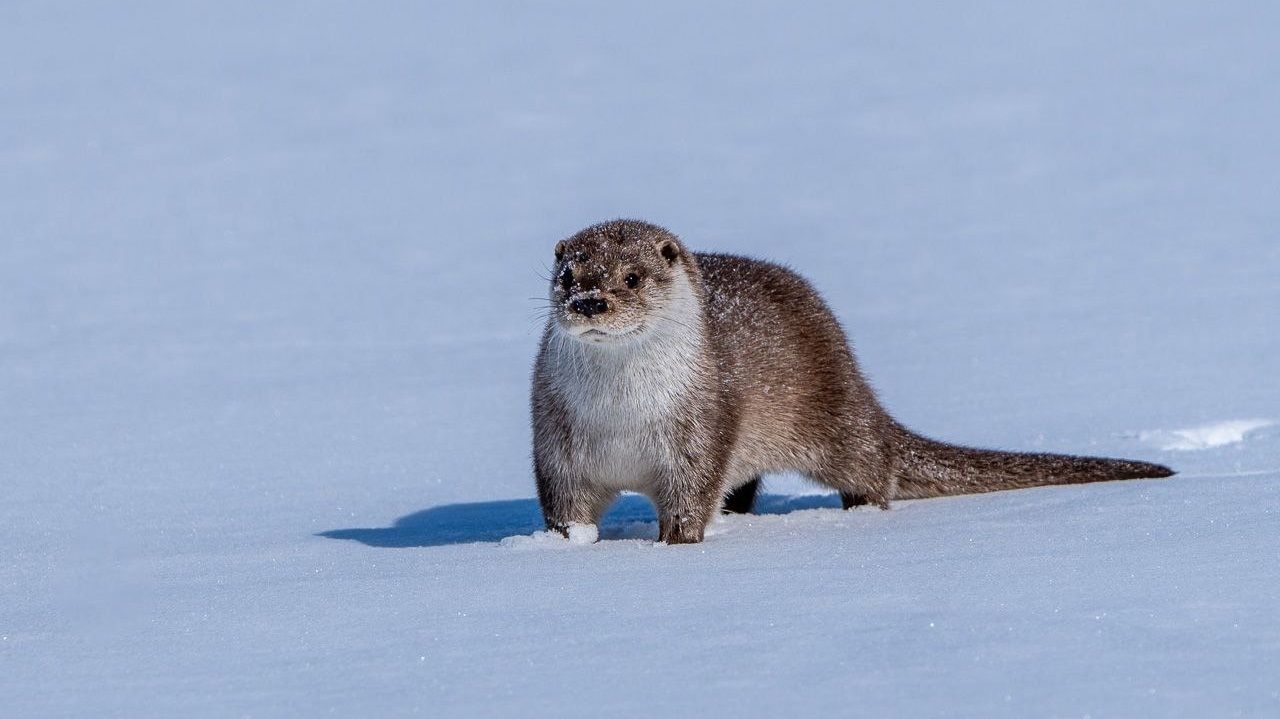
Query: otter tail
928, 468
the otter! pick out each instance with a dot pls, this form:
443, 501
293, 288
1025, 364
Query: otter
686, 376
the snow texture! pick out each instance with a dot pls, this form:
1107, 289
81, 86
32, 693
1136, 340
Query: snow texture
265, 340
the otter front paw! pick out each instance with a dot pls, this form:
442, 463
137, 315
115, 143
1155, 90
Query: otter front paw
680, 530
576, 532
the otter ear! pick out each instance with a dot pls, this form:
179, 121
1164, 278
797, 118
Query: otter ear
669, 251
559, 250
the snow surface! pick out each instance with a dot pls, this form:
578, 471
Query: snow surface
265, 338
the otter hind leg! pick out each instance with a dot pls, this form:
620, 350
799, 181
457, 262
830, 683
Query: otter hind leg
742, 499
851, 500
860, 479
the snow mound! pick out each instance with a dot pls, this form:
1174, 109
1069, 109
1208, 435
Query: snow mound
578, 534
1207, 436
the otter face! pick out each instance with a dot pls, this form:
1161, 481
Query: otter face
611, 282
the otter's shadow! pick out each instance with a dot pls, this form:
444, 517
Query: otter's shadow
630, 517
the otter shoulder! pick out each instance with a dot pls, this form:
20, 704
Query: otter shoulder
729, 277
752, 298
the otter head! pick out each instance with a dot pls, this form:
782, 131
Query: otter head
616, 281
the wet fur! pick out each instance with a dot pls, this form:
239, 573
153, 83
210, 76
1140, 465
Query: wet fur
715, 370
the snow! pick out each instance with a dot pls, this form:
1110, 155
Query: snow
265, 340
578, 534
1208, 436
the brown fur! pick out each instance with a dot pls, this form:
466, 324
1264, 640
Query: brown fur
762, 380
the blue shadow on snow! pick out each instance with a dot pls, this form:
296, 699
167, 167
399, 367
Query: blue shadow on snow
470, 522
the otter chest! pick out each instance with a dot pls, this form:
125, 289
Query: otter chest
623, 417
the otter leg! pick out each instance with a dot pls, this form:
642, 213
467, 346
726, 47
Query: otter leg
685, 505
742, 499
585, 505
851, 500
860, 479
566, 502
681, 528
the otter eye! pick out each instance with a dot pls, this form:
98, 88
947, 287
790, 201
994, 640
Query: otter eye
581, 257
566, 277
632, 280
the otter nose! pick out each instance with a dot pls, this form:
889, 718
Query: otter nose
589, 306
